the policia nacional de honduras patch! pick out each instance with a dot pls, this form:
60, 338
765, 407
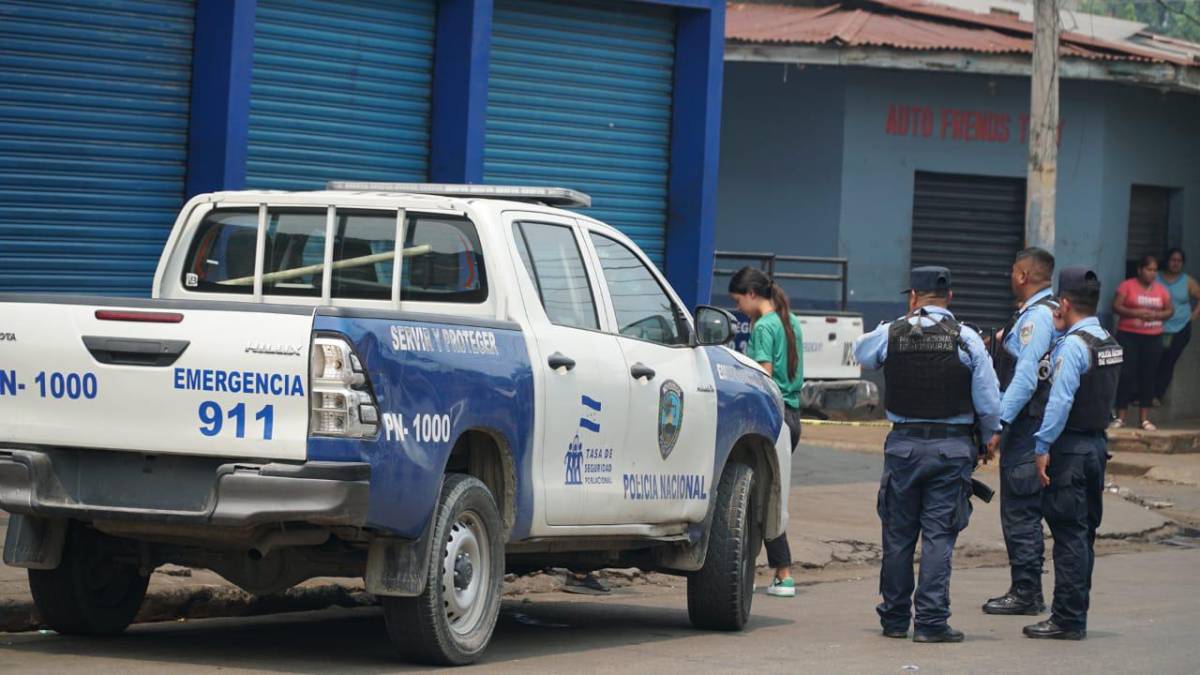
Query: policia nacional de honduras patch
670, 416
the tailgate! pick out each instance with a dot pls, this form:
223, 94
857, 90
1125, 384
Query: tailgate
829, 346
155, 379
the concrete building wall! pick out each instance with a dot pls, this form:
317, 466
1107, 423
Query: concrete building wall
811, 166
880, 167
779, 188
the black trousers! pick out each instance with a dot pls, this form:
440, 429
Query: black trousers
924, 494
1174, 343
1142, 354
1021, 507
779, 554
1074, 504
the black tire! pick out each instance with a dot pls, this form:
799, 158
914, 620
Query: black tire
97, 589
720, 593
428, 628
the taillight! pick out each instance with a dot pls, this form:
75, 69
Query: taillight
138, 317
341, 399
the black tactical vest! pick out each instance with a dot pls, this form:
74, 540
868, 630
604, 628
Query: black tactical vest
924, 375
1093, 403
1005, 363
1092, 409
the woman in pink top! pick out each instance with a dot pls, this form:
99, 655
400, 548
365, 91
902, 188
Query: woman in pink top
1142, 304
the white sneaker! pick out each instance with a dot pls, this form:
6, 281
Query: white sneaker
782, 589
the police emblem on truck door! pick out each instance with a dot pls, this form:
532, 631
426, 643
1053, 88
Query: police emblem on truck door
670, 416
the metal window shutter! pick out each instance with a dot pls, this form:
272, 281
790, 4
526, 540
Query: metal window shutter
1149, 209
340, 91
93, 141
973, 225
579, 95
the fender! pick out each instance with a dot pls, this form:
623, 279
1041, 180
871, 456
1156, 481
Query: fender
748, 405
474, 373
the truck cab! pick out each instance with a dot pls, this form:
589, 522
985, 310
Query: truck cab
422, 385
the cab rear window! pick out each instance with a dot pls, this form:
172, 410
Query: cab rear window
443, 260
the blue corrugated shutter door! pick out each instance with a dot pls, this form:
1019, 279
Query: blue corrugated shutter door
93, 141
579, 95
340, 91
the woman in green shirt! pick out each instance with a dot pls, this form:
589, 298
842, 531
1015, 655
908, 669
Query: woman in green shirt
777, 346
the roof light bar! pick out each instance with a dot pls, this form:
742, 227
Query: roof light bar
553, 196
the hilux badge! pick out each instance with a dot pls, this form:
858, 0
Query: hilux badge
279, 350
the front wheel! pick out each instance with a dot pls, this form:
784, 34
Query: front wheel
451, 622
720, 592
97, 589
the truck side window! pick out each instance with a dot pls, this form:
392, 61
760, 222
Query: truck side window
552, 259
643, 309
443, 263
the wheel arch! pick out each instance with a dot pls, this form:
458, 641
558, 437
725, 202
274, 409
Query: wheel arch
487, 455
758, 452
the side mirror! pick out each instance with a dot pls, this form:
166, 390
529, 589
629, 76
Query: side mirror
714, 326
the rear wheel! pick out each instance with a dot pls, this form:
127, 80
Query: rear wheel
452, 621
97, 589
720, 592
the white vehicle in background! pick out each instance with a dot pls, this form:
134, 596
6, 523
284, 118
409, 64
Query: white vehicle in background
833, 383
420, 385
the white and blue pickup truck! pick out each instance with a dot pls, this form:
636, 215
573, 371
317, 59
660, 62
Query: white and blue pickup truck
420, 385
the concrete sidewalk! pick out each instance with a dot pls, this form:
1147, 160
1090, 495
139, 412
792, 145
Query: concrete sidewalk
1178, 469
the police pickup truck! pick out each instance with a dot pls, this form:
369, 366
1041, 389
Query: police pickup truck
421, 385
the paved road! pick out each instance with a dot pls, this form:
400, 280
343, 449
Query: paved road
819, 465
1142, 621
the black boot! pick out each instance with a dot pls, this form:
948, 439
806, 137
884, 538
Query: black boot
1015, 603
947, 635
1048, 630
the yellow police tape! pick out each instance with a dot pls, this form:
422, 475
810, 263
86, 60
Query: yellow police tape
837, 423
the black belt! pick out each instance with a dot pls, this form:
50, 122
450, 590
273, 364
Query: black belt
933, 430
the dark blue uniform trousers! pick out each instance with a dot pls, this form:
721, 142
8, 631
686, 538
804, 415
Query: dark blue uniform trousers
925, 491
1021, 507
1073, 504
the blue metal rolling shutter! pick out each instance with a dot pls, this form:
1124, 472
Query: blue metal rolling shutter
579, 95
93, 141
340, 91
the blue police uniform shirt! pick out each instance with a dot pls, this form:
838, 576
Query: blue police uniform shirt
871, 351
1070, 359
1029, 339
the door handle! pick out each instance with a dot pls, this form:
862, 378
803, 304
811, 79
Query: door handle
133, 351
640, 370
559, 360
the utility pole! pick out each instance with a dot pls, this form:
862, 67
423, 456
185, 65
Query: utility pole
1043, 128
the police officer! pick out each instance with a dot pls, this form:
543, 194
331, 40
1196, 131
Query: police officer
939, 378
1071, 447
1026, 339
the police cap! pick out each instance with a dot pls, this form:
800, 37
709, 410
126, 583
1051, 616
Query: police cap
1076, 279
928, 279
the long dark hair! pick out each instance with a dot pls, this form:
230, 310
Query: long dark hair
749, 279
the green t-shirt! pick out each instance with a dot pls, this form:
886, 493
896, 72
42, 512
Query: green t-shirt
768, 344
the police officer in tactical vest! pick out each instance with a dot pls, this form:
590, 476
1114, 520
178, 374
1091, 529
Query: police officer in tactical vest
1075, 403
939, 378
1025, 340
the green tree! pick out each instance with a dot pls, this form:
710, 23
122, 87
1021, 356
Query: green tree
1175, 18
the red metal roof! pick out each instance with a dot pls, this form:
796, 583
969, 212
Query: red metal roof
913, 25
